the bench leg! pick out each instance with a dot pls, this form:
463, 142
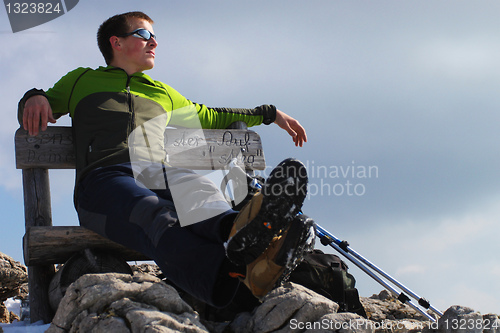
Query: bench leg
39, 278
37, 212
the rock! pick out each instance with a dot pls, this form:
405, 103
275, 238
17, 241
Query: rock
13, 278
383, 295
282, 306
150, 269
491, 323
13, 283
143, 303
7, 316
340, 322
384, 306
458, 314
114, 302
466, 320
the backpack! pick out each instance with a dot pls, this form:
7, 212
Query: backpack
323, 273
328, 275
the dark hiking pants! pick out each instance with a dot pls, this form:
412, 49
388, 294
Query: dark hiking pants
113, 204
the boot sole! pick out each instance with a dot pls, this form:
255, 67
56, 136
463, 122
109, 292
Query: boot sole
288, 180
284, 193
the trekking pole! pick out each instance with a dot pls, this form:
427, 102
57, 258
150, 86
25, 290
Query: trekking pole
343, 247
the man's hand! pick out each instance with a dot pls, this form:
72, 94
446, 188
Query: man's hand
37, 113
292, 126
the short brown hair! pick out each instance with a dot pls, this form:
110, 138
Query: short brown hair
116, 26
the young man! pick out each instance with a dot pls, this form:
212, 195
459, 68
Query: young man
258, 246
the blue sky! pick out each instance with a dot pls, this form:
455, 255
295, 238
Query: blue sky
406, 88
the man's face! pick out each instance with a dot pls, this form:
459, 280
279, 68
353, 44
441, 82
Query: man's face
138, 53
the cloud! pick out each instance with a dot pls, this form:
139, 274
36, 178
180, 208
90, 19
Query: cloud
410, 270
448, 261
465, 58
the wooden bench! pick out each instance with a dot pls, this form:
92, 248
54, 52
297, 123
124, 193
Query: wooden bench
45, 245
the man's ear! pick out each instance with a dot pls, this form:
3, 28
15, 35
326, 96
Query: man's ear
115, 43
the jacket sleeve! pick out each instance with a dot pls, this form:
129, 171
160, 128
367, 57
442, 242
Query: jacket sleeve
193, 115
223, 117
59, 95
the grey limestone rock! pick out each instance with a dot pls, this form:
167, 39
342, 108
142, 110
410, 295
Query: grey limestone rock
13, 277
289, 304
144, 303
13, 283
122, 303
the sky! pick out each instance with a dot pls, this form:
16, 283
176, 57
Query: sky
399, 99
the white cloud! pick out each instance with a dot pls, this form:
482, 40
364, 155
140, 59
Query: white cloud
411, 269
448, 261
462, 58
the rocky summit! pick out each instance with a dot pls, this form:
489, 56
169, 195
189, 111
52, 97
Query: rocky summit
143, 302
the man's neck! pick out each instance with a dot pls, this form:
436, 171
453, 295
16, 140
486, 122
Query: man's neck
130, 70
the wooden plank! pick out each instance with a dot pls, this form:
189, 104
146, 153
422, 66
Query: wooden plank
39, 278
36, 189
50, 245
37, 212
51, 149
186, 148
214, 149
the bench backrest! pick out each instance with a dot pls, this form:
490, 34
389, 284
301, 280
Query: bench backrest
193, 149
53, 149
44, 244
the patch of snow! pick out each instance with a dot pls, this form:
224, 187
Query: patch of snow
14, 305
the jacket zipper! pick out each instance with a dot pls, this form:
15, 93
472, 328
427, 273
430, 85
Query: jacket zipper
130, 108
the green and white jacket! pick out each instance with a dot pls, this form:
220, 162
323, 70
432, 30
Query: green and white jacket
106, 105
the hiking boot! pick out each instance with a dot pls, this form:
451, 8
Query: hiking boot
268, 213
285, 252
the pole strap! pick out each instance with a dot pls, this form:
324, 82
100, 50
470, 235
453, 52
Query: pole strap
424, 303
403, 298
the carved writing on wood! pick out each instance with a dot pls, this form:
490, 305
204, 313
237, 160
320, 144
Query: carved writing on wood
195, 149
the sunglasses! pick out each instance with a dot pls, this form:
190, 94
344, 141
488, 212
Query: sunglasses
140, 33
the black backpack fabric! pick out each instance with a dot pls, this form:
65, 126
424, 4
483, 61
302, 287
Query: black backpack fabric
323, 273
328, 275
